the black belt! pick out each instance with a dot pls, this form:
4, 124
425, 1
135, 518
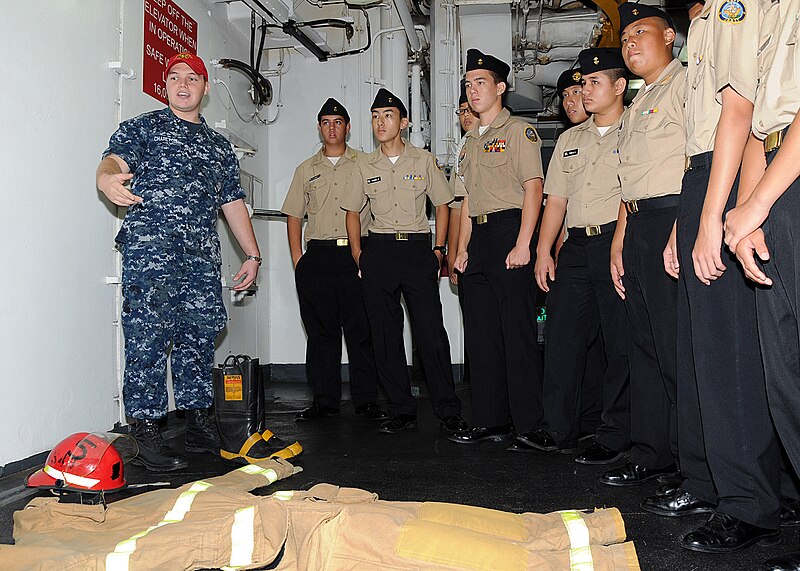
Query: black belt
592, 230
699, 160
510, 214
338, 242
634, 206
400, 236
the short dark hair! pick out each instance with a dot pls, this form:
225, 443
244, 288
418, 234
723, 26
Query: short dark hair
498, 78
615, 74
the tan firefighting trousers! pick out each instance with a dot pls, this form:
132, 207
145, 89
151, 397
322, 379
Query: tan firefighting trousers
216, 523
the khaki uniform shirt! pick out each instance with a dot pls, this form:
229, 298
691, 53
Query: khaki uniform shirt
457, 176
396, 192
778, 94
584, 171
722, 48
498, 162
652, 138
317, 189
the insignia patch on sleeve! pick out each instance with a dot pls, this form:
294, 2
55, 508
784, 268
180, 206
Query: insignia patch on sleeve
732, 12
530, 133
439, 165
373, 180
571, 153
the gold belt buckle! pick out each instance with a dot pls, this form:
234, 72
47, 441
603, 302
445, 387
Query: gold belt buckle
687, 165
592, 230
401, 235
773, 141
481, 219
632, 207
342, 242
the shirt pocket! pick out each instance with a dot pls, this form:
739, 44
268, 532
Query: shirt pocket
316, 192
380, 200
411, 195
495, 170
573, 168
649, 137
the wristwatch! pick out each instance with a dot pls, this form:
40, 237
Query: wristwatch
442, 249
254, 258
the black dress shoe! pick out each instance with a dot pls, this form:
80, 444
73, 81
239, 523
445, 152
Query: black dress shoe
482, 434
678, 503
371, 411
632, 475
315, 411
398, 423
787, 562
673, 479
790, 512
538, 440
454, 424
597, 454
723, 533
666, 489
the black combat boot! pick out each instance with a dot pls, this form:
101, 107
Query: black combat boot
201, 431
153, 453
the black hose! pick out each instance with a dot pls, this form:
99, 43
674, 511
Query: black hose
252, 35
261, 44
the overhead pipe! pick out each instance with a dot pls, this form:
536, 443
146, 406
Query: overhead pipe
416, 106
408, 25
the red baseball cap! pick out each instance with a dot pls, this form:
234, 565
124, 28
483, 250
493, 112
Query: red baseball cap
191, 60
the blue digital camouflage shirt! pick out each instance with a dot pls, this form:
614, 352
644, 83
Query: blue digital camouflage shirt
183, 178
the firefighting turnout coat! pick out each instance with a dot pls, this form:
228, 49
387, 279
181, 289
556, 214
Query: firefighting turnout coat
217, 523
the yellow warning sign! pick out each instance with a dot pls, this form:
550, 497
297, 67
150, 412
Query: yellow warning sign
233, 387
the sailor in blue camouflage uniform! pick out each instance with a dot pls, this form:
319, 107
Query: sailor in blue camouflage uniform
183, 172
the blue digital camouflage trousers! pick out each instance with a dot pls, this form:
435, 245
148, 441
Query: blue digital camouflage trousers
172, 307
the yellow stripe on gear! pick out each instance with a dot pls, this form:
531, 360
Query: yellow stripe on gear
242, 539
580, 553
119, 559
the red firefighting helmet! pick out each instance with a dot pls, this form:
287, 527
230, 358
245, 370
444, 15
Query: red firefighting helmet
81, 462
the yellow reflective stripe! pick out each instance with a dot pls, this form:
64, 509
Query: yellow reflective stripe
580, 559
119, 559
580, 553
242, 540
284, 495
268, 473
70, 479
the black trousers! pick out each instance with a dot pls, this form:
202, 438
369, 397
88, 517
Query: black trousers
581, 307
779, 320
727, 446
390, 268
500, 328
592, 387
650, 300
329, 293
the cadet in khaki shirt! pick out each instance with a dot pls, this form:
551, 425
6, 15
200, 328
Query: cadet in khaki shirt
328, 288
651, 147
729, 456
776, 200
468, 119
503, 177
582, 304
396, 179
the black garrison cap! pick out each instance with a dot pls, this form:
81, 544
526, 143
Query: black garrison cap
630, 12
568, 79
478, 60
386, 98
599, 59
333, 107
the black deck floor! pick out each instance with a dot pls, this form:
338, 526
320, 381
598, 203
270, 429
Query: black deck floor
422, 465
